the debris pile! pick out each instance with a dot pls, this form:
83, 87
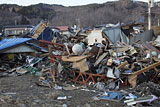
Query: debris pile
103, 59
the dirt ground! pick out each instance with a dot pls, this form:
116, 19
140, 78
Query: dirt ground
21, 91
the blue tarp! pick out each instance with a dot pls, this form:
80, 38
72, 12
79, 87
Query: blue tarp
113, 96
7, 43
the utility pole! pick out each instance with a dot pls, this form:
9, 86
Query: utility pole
149, 17
150, 5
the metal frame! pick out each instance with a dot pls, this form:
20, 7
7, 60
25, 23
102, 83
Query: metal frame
78, 77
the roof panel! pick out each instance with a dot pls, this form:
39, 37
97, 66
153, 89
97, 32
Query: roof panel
6, 43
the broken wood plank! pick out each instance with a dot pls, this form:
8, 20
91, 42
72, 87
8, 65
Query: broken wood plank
99, 52
133, 78
73, 58
147, 68
122, 49
122, 65
100, 58
67, 49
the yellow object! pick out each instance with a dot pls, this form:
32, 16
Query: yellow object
10, 56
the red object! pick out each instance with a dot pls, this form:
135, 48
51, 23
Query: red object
82, 78
62, 28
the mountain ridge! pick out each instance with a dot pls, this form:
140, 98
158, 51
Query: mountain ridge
87, 15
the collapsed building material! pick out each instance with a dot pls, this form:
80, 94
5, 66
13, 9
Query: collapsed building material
133, 78
38, 29
81, 77
15, 45
143, 37
80, 62
73, 58
141, 100
82, 65
122, 65
95, 37
101, 58
115, 34
43, 32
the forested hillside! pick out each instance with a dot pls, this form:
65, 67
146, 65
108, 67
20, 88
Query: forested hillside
87, 15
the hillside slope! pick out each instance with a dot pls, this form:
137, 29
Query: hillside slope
87, 15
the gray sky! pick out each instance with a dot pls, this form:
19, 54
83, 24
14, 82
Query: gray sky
62, 2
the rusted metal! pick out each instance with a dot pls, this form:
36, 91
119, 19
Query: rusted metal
85, 78
56, 46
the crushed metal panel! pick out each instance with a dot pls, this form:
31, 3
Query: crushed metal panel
95, 37
37, 47
20, 49
116, 34
5, 44
143, 37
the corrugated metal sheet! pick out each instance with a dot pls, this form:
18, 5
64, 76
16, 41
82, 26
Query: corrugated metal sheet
6, 43
115, 34
20, 49
143, 37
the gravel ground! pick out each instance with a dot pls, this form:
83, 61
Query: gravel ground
21, 91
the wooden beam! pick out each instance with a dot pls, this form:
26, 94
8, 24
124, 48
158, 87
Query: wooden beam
122, 65
133, 78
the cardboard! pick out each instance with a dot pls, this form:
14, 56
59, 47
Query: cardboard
73, 58
81, 65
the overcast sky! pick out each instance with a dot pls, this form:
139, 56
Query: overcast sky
62, 2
